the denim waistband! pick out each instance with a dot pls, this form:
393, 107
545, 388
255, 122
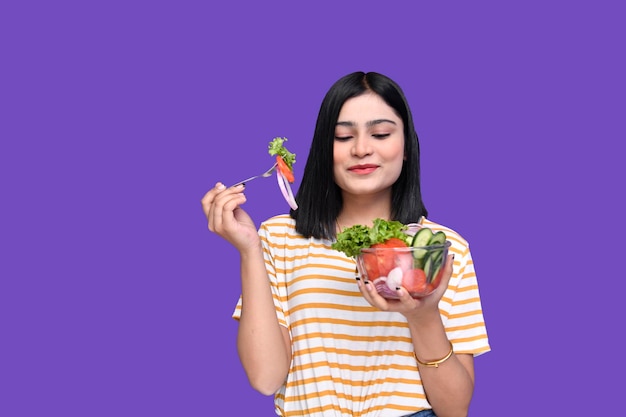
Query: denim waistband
423, 413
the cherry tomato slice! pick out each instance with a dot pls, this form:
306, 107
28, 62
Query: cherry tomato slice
284, 169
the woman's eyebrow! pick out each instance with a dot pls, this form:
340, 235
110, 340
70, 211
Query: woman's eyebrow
379, 121
347, 124
368, 124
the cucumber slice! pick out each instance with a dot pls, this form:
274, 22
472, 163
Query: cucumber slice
420, 239
432, 264
418, 263
438, 238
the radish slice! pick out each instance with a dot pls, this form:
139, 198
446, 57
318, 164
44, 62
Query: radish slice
285, 188
394, 279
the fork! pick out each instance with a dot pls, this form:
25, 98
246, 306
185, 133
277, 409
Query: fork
263, 175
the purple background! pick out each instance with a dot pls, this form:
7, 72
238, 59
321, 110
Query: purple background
116, 117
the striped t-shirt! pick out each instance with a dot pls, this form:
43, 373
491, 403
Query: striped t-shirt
350, 359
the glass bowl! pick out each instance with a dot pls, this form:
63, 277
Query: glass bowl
417, 269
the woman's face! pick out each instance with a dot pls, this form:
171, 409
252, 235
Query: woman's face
368, 150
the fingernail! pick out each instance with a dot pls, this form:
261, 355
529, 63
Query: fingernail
358, 278
241, 186
219, 186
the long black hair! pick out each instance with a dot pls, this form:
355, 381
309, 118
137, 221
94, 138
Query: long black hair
319, 198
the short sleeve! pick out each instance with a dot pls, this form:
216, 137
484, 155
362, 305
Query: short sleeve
462, 308
270, 241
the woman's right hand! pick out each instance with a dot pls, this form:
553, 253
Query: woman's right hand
227, 219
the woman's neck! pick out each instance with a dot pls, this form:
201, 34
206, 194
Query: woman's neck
363, 211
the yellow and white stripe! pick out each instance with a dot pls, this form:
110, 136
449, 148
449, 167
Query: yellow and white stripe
349, 359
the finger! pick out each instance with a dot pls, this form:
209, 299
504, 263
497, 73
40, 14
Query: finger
446, 275
364, 287
403, 294
209, 197
405, 301
374, 298
231, 207
449, 268
222, 219
216, 207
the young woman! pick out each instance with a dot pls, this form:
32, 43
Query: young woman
323, 343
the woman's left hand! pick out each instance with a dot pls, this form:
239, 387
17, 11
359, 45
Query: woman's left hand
407, 305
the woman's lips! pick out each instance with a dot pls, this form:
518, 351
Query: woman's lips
363, 169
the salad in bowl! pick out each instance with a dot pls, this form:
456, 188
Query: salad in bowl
391, 255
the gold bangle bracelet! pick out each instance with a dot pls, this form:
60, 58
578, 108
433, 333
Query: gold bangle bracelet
435, 364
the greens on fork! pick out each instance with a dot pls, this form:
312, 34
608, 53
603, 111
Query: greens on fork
284, 173
284, 158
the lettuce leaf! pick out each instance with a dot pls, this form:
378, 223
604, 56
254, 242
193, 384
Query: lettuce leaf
277, 147
352, 239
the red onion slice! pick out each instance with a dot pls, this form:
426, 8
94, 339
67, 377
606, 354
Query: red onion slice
285, 188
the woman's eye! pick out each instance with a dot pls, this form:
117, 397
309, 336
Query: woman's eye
343, 138
380, 135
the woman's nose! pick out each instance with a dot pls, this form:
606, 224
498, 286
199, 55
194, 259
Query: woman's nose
361, 147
